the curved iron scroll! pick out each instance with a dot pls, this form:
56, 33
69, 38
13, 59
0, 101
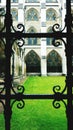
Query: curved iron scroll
58, 41
58, 96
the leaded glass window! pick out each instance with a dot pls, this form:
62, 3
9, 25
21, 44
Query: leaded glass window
50, 15
54, 62
32, 62
32, 15
14, 1
32, 41
51, 1
31, 1
49, 40
14, 14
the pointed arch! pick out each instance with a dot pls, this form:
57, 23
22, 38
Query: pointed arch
32, 15
51, 14
32, 29
32, 62
54, 62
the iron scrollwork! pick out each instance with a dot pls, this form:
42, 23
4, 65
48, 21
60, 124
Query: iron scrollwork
18, 94
58, 96
56, 89
19, 40
58, 41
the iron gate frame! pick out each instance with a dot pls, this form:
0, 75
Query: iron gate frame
10, 36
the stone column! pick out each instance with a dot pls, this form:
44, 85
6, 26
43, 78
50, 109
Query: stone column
21, 12
43, 40
64, 66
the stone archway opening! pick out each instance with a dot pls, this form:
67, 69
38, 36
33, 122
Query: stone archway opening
54, 62
32, 63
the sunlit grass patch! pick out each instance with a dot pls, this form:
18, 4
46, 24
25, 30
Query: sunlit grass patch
39, 114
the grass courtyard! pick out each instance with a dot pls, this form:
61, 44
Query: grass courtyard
39, 114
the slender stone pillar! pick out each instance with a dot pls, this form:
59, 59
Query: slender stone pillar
43, 40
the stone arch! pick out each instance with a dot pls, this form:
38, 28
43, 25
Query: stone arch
32, 15
54, 62
51, 14
32, 30
32, 61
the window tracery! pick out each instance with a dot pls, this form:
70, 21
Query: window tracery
14, 1
50, 15
54, 62
32, 1
32, 15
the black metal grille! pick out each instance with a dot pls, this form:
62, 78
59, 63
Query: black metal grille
9, 37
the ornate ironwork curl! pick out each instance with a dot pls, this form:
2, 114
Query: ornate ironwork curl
57, 104
18, 94
20, 41
58, 96
20, 104
20, 89
57, 88
20, 28
56, 28
58, 42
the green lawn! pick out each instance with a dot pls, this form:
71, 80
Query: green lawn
39, 114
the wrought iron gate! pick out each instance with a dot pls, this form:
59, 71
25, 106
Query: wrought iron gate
9, 37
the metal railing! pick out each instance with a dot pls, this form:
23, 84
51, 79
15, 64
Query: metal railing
10, 36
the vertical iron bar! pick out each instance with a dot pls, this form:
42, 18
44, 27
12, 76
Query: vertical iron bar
8, 50
69, 66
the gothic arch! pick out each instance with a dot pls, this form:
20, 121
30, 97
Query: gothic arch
54, 62
32, 62
51, 14
32, 30
32, 15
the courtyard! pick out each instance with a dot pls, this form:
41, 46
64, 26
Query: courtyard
39, 114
